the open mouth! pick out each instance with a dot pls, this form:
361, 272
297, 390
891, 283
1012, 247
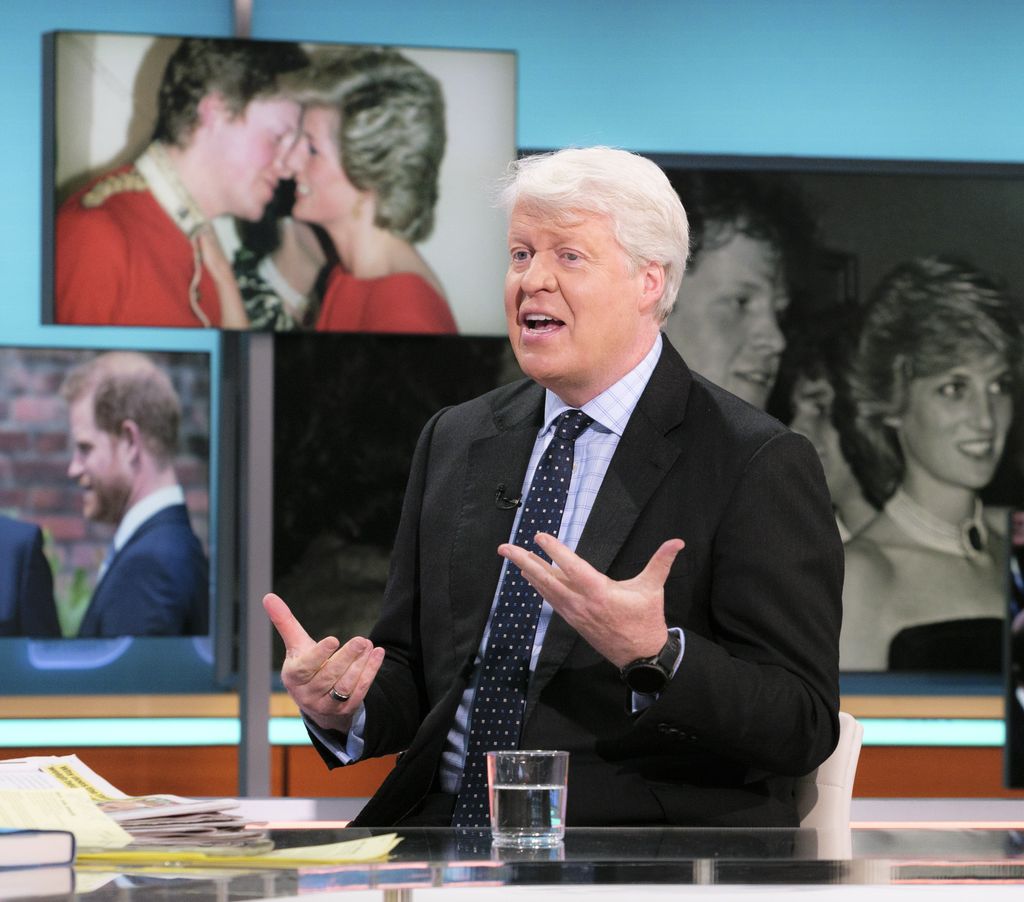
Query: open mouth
538, 323
979, 448
760, 378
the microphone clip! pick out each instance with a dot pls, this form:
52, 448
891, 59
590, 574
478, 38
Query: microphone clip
503, 502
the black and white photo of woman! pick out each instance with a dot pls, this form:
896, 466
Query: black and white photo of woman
931, 397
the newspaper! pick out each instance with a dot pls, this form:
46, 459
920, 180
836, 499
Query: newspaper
61, 809
150, 820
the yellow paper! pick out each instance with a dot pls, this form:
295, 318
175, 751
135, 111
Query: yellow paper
62, 809
352, 851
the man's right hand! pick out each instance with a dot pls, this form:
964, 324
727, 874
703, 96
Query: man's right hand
312, 670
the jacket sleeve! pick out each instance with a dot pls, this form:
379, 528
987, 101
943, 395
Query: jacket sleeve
396, 703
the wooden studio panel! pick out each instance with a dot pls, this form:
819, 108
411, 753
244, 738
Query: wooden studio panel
179, 770
933, 772
298, 771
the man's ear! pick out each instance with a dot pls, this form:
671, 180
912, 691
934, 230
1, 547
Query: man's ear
131, 438
212, 110
652, 286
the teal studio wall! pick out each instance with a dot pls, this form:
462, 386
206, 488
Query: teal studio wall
930, 79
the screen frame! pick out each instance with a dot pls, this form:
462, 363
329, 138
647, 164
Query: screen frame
901, 688
473, 160
150, 664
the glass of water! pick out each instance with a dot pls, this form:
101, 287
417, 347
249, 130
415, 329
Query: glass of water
526, 791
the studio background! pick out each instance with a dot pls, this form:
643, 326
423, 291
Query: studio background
912, 79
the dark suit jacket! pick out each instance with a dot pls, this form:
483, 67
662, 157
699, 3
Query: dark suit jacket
26, 583
757, 591
156, 585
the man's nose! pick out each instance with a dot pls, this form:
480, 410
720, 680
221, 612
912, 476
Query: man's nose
538, 276
766, 333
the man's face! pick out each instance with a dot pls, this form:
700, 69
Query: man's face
579, 317
725, 321
253, 148
99, 464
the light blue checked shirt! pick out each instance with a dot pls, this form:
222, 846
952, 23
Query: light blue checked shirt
594, 449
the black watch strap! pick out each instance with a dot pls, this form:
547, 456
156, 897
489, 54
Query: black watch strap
648, 676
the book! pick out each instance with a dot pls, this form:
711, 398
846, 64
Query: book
22, 883
30, 848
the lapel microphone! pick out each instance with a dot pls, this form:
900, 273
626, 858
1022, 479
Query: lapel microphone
503, 502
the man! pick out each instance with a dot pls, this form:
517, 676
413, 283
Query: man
136, 247
124, 417
26, 583
690, 683
749, 233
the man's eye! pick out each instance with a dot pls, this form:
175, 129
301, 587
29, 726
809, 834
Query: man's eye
571, 257
520, 256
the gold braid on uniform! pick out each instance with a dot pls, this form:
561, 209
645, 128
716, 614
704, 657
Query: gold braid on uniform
115, 183
193, 285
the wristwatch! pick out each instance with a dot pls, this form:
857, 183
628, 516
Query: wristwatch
648, 676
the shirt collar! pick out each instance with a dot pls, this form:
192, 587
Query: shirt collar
142, 510
611, 409
168, 191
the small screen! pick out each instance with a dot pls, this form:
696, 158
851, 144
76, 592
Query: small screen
108, 545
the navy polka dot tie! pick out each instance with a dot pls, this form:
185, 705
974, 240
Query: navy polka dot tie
497, 710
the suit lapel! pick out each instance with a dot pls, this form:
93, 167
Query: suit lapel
98, 600
644, 456
497, 458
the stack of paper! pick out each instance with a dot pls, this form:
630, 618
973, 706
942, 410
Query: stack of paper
159, 833
50, 791
163, 820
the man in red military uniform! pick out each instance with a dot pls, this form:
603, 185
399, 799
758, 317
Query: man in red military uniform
136, 246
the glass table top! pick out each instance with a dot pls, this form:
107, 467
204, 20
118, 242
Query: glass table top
441, 857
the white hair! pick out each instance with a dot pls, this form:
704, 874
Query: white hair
647, 217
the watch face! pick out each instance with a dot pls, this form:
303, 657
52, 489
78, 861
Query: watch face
646, 678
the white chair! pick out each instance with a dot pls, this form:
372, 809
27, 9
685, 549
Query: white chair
823, 796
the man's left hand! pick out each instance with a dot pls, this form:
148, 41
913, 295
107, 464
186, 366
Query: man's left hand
622, 620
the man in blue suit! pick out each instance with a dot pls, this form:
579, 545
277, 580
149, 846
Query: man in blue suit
154, 580
26, 583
